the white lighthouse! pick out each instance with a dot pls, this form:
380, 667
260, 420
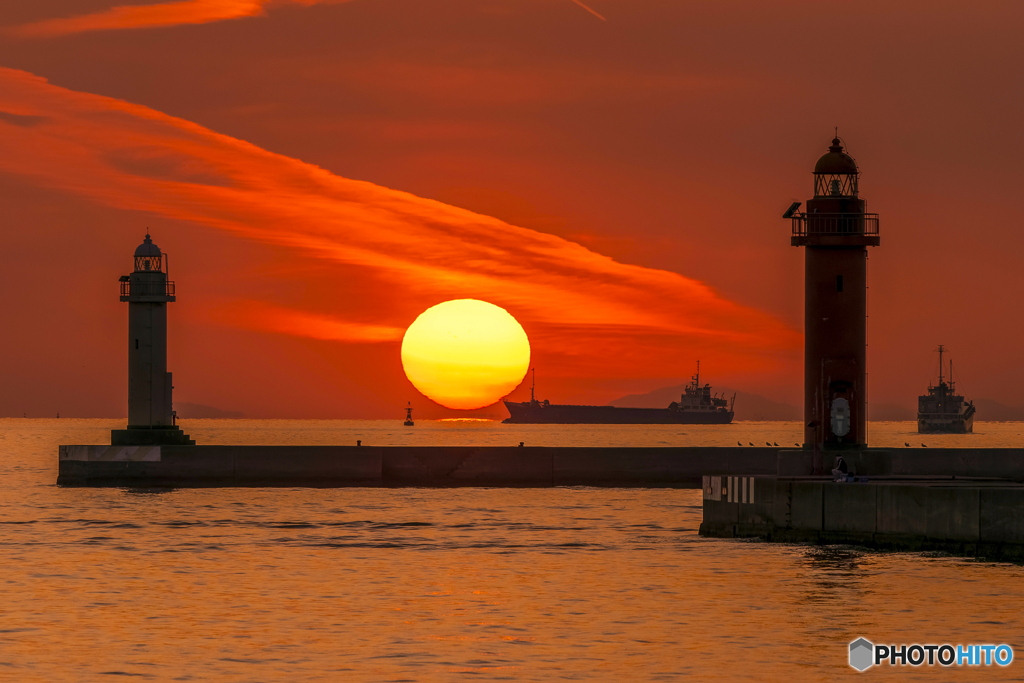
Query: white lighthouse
151, 418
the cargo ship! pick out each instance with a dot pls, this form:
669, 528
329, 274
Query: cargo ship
941, 410
697, 405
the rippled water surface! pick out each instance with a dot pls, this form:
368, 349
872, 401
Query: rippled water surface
453, 584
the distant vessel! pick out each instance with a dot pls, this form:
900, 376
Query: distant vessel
941, 410
408, 416
696, 406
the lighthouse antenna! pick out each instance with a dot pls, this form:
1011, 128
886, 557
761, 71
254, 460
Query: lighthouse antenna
533, 385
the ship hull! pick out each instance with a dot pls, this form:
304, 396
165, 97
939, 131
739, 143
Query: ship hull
955, 424
962, 423
539, 413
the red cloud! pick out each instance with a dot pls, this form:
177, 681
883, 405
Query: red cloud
168, 14
150, 16
259, 315
596, 316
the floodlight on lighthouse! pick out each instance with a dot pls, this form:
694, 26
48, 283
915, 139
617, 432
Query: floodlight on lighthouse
840, 414
792, 209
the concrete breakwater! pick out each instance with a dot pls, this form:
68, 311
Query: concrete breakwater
965, 501
212, 465
963, 517
331, 466
962, 501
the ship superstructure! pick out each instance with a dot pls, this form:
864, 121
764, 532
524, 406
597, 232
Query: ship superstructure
697, 405
942, 410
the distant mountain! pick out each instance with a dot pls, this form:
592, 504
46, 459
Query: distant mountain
987, 411
994, 411
748, 406
197, 411
891, 412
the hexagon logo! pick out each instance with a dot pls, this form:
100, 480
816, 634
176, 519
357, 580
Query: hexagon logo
861, 654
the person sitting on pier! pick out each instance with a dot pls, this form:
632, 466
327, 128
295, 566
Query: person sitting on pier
841, 470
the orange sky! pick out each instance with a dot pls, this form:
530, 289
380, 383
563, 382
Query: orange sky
321, 173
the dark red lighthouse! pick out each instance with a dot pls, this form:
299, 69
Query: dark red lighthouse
836, 233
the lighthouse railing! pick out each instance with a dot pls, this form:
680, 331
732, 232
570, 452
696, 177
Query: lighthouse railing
835, 224
146, 289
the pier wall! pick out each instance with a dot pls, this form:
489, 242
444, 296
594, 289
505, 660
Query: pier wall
962, 516
196, 466
998, 463
995, 463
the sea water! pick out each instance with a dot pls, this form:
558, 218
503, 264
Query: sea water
455, 584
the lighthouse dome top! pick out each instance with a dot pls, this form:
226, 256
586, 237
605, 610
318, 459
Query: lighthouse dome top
836, 161
835, 174
147, 248
148, 257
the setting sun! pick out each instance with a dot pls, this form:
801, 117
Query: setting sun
465, 353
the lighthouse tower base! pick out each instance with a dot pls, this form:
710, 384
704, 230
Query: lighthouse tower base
150, 436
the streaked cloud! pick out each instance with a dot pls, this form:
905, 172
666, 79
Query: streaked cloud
163, 14
586, 7
152, 16
259, 315
596, 314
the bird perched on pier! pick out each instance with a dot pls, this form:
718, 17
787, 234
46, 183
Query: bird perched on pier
751, 443
907, 444
924, 445
738, 443
776, 444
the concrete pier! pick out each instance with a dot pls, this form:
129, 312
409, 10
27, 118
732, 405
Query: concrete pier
962, 501
328, 466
